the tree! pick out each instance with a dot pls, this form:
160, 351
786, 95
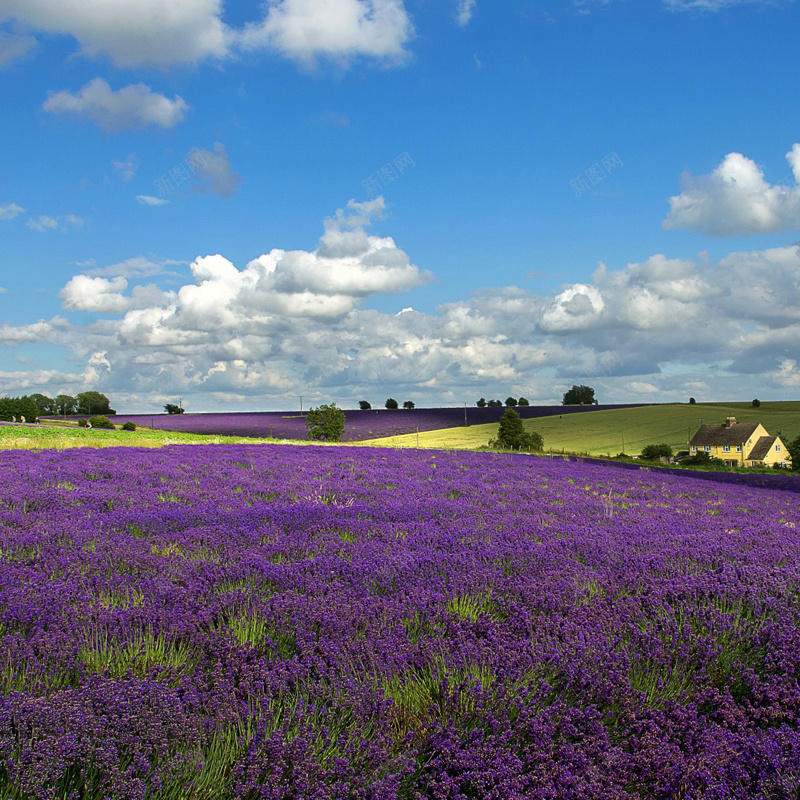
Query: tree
66, 404
171, 408
579, 396
325, 423
692, 401
481, 403
93, 403
391, 404
511, 434
364, 405
494, 404
756, 403
44, 404
794, 452
653, 452
408, 405
523, 401
511, 402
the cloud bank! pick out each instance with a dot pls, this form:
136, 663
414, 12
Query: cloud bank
297, 321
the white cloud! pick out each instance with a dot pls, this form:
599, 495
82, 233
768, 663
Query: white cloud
126, 167
41, 331
105, 295
708, 5
130, 32
13, 47
147, 200
134, 106
10, 211
339, 29
295, 320
46, 223
466, 8
735, 199
43, 224
214, 169
83, 293
136, 267
788, 373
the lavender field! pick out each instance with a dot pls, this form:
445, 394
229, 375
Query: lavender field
358, 424
313, 622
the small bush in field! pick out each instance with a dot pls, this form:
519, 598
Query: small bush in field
82, 423
129, 426
101, 422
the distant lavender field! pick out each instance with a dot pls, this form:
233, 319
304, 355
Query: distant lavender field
264, 621
359, 425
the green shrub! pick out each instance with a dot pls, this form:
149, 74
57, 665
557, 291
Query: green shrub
653, 452
702, 459
101, 422
83, 423
129, 426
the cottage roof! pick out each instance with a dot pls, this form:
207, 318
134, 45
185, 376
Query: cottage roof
718, 434
761, 448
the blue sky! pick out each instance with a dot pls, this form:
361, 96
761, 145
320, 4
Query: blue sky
355, 199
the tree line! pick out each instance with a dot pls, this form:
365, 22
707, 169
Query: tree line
33, 406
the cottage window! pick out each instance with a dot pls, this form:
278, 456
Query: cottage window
694, 448
738, 448
726, 448
707, 448
777, 448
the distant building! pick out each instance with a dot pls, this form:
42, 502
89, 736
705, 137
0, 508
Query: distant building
741, 444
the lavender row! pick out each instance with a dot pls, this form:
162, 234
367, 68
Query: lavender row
285, 622
359, 425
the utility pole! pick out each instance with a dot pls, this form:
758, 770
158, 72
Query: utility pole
465, 415
301, 405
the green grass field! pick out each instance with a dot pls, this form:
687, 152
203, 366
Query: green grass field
603, 432
58, 436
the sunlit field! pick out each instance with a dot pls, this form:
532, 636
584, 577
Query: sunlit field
609, 432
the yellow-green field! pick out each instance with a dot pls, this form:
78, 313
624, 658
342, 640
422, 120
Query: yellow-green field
603, 432
28, 437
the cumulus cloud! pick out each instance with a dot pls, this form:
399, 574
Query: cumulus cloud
292, 320
134, 106
214, 171
305, 30
735, 199
10, 211
130, 32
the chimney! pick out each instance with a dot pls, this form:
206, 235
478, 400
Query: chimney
730, 421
